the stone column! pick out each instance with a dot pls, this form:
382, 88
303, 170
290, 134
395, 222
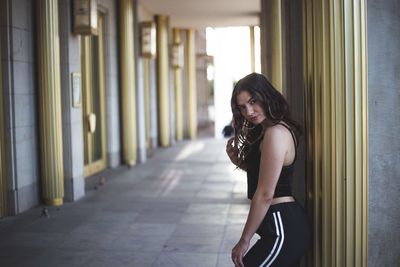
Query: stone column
336, 129
52, 173
163, 80
191, 82
178, 84
252, 50
271, 42
128, 88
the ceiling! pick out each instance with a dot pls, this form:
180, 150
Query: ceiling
206, 13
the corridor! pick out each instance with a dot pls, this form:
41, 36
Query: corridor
184, 207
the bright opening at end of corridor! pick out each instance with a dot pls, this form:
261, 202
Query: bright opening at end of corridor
231, 49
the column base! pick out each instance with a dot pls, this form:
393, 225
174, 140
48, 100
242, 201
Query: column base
54, 202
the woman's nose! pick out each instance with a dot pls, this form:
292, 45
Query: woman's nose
249, 111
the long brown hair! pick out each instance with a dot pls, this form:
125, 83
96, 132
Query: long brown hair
275, 107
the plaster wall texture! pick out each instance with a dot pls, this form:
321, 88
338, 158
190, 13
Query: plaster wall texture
22, 94
71, 116
109, 8
384, 127
203, 92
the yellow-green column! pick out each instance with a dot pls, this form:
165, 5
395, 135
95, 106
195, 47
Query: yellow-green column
178, 90
191, 82
271, 42
128, 88
252, 50
335, 76
51, 156
163, 80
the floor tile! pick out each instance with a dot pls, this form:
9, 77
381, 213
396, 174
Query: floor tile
173, 259
193, 244
184, 207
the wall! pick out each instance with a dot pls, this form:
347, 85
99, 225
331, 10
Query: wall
384, 127
109, 7
71, 116
18, 54
204, 99
73, 146
20, 101
149, 69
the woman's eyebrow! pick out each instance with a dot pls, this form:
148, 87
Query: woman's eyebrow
250, 99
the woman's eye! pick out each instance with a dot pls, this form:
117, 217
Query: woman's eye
252, 101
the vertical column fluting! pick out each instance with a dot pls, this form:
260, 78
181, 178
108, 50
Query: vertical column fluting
191, 82
128, 88
271, 42
252, 50
51, 156
178, 83
163, 80
335, 75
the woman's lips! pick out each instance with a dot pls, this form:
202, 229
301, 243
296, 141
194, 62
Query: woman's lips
254, 118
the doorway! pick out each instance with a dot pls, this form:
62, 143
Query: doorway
93, 100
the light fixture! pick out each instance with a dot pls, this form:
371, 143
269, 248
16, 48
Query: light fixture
148, 39
85, 17
177, 55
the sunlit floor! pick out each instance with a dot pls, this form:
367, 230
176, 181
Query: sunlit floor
184, 207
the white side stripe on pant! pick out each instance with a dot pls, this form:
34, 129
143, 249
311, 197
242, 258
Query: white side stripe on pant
278, 242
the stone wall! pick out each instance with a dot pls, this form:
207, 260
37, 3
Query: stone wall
20, 104
384, 127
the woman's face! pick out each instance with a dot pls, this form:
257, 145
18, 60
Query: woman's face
250, 108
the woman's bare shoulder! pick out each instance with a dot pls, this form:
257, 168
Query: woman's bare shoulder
275, 131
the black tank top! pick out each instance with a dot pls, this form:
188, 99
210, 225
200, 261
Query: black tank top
284, 185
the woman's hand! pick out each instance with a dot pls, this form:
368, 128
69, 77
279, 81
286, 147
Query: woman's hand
233, 154
238, 252
232, 151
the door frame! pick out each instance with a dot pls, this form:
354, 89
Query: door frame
99, 165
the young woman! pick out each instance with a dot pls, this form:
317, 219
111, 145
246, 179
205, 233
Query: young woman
264, 145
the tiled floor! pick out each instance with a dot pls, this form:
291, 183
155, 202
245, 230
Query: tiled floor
184, 207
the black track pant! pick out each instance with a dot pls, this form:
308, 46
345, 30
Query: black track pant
285, 237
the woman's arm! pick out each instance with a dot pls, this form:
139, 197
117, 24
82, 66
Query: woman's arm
273, 151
